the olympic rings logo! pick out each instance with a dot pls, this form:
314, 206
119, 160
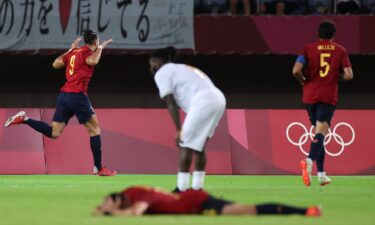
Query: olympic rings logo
332, 135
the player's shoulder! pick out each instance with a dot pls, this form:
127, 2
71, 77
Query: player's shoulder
80, 50
84, 49
339, 47
166, 70
168, 66
310, 47
312, 44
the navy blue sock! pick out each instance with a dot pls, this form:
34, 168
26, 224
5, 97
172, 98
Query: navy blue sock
320, 160
316, 146
96, 148
40, 126
271, 208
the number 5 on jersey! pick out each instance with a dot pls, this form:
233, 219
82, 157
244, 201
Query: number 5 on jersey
71, 64
325, 67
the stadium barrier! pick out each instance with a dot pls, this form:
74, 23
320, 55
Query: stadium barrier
279, 34
227, 34
141, 141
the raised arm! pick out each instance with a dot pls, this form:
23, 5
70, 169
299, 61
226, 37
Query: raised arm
59, 62
94, 59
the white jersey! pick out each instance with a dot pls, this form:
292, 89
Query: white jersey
184, 82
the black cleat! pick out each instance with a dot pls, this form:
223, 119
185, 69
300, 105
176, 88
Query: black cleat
176, 190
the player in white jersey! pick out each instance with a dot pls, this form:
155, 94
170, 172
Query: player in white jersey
190, 89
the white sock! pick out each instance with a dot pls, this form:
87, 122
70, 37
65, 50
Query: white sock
321, 174
183, 181
95, 171
198, 180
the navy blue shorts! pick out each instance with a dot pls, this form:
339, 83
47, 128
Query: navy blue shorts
214, 206
70, 104
321, 112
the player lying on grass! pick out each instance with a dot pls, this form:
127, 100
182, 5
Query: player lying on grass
73, 99
139, 200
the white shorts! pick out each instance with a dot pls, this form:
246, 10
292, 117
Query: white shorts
201, 120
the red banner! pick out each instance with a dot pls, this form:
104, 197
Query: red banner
141, 141
279, 34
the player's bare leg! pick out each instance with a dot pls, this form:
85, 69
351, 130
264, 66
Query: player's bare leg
54, 131
183, 176
239, 209
93, 128
199, 172
57, 129
321, 127
200, 160
270, 209
186, 157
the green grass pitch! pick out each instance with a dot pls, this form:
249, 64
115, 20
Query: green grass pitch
68, 200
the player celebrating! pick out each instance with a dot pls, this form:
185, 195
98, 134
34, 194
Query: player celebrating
318, 69
73, 99
137, 201
187, 87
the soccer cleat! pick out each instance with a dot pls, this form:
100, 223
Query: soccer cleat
19, 118
176, 190
314, 211
306, 166
324, 180
104, 172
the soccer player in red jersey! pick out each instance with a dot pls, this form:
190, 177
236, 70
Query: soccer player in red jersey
138, 200
319, 68
73, 99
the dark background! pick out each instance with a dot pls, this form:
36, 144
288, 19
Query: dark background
123, 81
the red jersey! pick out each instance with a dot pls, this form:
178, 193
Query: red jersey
162, 202
324, 61
78, 73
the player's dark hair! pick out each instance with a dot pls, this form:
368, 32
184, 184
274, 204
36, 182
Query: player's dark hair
115, 196
89, 36
327, 29
167, 54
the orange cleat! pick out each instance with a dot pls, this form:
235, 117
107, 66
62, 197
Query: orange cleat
306, 166
314, 211
104, 172
19, 118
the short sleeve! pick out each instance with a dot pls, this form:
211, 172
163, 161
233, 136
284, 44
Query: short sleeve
345, 61
302, 56
164, 81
